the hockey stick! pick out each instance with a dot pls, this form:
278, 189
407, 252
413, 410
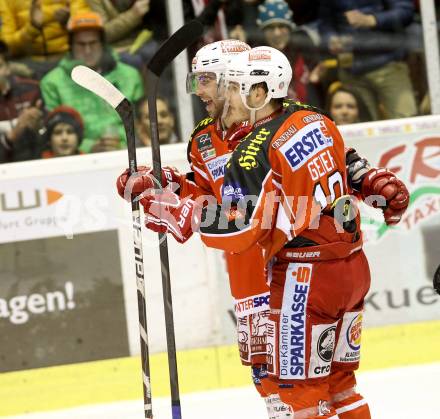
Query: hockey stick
97, 84
179, 41
92, 81
436, 280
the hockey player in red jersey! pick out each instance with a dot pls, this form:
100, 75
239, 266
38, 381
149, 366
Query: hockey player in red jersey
209, 149
294, 164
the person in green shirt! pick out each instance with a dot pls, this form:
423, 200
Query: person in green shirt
103, 129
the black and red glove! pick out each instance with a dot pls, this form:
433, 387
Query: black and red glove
166, 213
385, 183
143, 179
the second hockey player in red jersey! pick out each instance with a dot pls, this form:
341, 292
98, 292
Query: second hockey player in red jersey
323, 166
319, 275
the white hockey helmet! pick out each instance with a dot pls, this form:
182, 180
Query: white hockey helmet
211, 60
260, 64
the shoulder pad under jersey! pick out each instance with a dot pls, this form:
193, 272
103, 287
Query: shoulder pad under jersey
292, 106
201, 125
255, 145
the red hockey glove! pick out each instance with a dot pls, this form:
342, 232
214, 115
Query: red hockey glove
143, 179
167, 213
385, 183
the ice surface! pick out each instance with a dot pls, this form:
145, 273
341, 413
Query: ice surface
399, 393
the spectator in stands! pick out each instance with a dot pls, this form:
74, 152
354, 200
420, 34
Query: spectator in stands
223, 18
37, 29
21, 114
123, 23
165, 123
371, 33
64, 133
275, 20
345, 106
305, 12
88, 47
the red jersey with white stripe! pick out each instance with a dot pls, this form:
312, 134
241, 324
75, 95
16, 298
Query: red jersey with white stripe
281, 181
209, 151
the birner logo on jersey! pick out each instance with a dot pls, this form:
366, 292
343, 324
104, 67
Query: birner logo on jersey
292, 331
305, 144
204, 142
217, 167
252, 305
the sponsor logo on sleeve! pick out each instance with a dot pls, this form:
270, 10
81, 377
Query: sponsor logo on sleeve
217, 167
304, 145
312, 118
292, 333
208, 154
349, 342
204, 142
285, 136
322, 348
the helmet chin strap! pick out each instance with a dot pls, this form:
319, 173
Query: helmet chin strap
224, 113
252, 109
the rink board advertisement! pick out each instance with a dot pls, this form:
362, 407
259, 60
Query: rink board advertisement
56, 310
403, 259
66, 260
56, 205
66, 254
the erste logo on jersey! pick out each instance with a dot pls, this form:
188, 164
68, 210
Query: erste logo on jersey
292, 334
217, 167
305, 144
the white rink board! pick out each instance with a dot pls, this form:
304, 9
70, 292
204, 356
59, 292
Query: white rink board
403, 261
399, 260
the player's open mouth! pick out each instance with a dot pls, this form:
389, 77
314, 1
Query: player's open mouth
207, 102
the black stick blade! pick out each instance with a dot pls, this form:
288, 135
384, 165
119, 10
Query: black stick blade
174, 45
436, 280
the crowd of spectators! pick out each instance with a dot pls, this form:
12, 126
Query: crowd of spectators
360, 60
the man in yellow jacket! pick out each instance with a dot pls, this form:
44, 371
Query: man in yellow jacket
37, 28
